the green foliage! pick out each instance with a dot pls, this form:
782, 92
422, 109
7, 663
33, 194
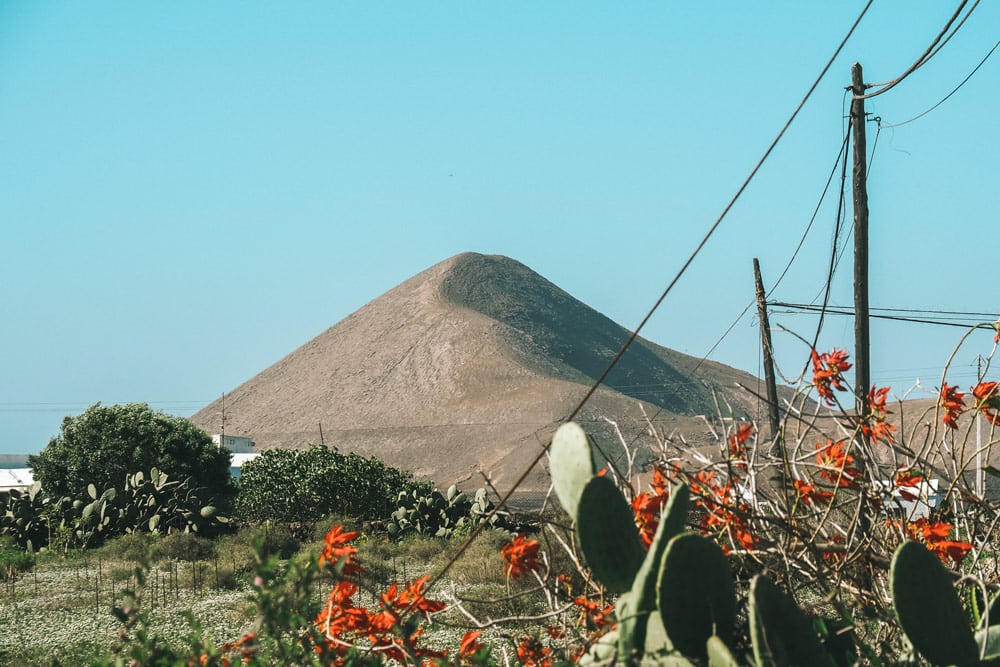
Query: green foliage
429, 512
289, 485
14, 561
22, 516
148, 503
184, 546
105, 443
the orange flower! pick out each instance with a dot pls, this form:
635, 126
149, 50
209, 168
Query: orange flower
646, 506
953, 549
810, 493
592, 615
953, 403
338, 552
469, 644
737, 441
988, 401
521, 556
935, 536
875, 425
910, 480
835, 464
828, 370
531, 653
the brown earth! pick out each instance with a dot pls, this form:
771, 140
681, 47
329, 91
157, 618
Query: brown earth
465, 370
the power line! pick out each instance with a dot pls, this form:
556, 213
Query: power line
929, 53
945, 98
923, 311
538, 457
949, 322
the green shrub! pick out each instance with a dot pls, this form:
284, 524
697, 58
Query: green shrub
275, 539
132, 547
14, 561
287, 486
184, 546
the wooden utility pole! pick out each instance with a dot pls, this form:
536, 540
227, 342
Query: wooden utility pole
765, 341
862, 365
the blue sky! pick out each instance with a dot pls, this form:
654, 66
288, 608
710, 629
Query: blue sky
189, 191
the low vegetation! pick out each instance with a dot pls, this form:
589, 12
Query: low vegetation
834, 542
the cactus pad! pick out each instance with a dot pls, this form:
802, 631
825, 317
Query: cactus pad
694, 606
572, 465
608, 536
781, 633
929, 609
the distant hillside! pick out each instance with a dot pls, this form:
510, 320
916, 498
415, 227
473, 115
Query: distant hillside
464, 370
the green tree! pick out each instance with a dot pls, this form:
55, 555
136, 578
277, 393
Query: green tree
105, 443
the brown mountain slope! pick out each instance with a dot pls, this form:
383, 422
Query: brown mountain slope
466, 367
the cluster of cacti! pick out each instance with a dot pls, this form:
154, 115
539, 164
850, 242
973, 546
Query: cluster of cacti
433, 513
23, 515
677, 603
155, 504
152, 503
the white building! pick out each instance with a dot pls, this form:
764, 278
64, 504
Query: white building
237, 444
240, 448
14, 472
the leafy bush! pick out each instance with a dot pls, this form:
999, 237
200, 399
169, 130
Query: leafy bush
288, 485
105, 443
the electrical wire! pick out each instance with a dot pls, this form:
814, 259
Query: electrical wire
945, 98
929, 53
614, 362
964, 324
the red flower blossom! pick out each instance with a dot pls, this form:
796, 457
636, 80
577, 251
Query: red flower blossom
874, 425
828, 370
469, 645
737, 441
521, 556
531, 653
338, 552
646, 506
988, 400
810, 493
835, 464
935, 536
592, 615
908, 479
953, 402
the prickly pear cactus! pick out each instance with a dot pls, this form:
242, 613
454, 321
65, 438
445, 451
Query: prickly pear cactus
572, 465
608, 536
929, 609
633, 617
782, 636
694, 607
